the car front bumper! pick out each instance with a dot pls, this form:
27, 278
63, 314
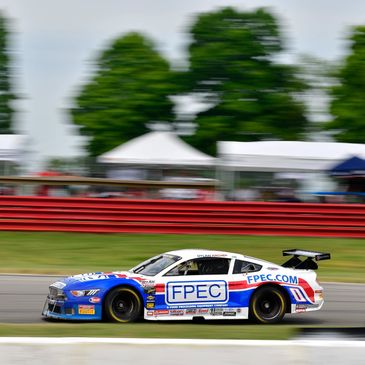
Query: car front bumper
68, 310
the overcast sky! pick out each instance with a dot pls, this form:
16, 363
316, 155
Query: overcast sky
55, 41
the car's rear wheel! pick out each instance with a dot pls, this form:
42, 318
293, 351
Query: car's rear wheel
123, 305
268, 305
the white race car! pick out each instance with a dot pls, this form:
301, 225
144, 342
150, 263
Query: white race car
192, 284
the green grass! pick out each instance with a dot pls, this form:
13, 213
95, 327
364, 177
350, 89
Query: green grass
70, 253
234, 330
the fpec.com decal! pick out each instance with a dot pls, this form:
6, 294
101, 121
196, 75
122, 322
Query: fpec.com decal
210, 291
289, 279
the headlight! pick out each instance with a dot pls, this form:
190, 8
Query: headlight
84, 293
56, 291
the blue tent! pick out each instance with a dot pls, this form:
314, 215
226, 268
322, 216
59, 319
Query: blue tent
352, 166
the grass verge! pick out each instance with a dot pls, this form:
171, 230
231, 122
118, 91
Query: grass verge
234, 330
70, 253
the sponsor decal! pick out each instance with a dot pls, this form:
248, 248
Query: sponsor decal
94, 300
208, 291
229, 314
150, 305
190, 311
86, 309
289, 279
203, 310
301, 308
147, 283
176, 312
148, 286
151, 298
161, 312
150, 313
216, 311
305, 307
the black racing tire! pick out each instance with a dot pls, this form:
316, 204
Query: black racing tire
123, 305
268, 305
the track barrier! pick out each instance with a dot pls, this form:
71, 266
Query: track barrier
22, 213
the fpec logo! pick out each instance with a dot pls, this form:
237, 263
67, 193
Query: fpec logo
210, 291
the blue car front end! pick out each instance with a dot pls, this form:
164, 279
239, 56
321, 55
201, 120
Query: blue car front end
81, 297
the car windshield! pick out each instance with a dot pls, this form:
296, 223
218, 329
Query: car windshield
155, 265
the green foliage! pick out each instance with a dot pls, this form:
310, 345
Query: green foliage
348, 95
232, 63
6, 95
130, 89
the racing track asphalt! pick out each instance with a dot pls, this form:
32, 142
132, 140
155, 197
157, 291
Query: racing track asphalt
22, 299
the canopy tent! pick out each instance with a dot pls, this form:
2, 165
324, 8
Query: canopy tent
352, 166
294, 156
352, 174
159, 149
12, 147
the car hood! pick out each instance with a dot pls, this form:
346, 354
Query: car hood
91, 279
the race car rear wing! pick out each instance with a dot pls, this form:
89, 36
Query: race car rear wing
308, 264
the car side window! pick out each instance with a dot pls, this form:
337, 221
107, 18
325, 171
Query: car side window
201, 266
241, 267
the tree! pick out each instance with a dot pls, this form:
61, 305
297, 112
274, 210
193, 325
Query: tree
131, 88
347, 105
6, 95
251, 96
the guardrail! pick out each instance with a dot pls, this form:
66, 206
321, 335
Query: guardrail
180, 217
163, 216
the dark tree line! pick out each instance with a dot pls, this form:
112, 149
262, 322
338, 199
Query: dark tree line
6, 94
232, 65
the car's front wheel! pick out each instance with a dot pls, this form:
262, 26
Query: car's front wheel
268, 305
123, 305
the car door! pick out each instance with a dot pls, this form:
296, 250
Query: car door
194, 286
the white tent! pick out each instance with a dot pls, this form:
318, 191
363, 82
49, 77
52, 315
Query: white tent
12, 147
159, 149
290, 156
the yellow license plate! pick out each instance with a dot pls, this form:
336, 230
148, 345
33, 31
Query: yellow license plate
86, 309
